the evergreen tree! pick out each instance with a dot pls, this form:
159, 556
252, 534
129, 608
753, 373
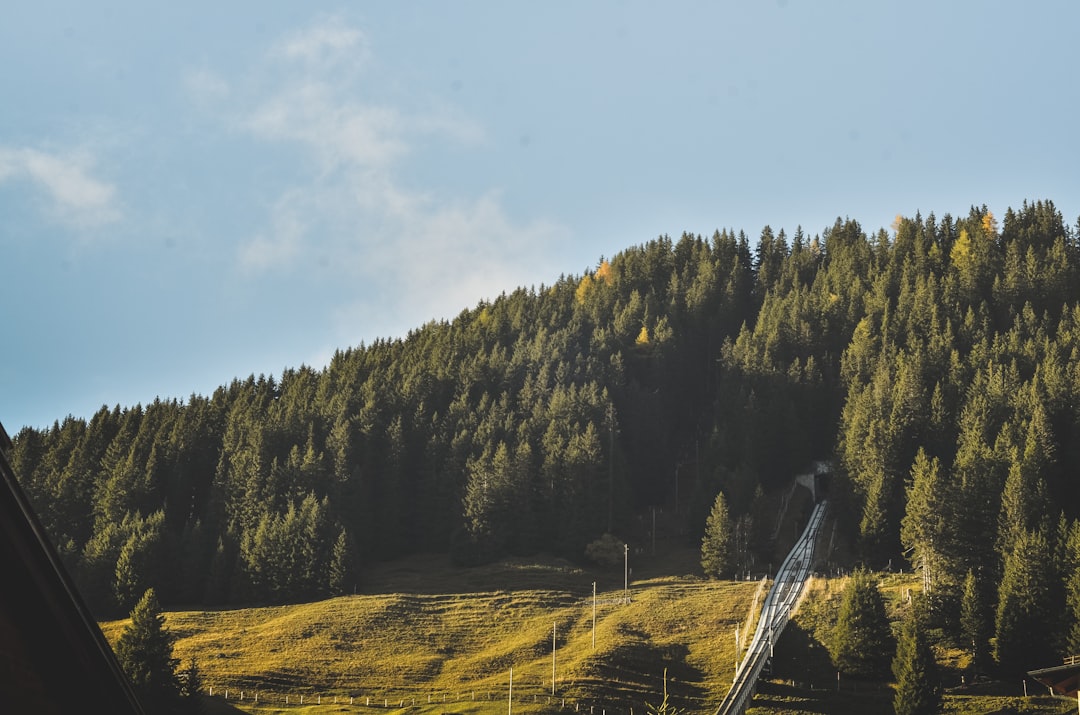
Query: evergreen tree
145, 652
342, 565
924, 523
861, 639
973, 622
918, 682
717, 546
1024, 624
1072, 589
191, 680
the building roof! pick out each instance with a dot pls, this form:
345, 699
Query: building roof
53, 656
1061, 679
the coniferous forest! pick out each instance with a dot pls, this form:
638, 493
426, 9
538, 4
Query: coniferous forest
936, 363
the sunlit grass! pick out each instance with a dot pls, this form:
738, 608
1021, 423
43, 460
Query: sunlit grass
427, 638
456, 647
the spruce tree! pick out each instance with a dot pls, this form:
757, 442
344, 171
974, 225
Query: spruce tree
145, 652
918, 682
342, 565
717, 546
191, 680
1024, 622
973, 624
923, 524
1072, 588
861, 639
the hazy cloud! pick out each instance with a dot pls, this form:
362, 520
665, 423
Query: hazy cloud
206, 86
76, 197
421, 254
328, 42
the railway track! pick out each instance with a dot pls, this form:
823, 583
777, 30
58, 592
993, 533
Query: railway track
775, 612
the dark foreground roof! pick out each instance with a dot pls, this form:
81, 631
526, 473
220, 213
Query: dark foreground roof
53, 656
1061, 679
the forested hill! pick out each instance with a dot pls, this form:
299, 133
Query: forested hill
937, 362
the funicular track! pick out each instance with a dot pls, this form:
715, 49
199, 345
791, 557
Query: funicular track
786, 589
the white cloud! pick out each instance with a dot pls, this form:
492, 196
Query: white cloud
336, 131
414, 254
206, 85
281, 243
76, 197
327, 42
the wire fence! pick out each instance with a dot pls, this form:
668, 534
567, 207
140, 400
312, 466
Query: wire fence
522, 694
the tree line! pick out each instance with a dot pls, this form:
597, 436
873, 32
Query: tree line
935, 361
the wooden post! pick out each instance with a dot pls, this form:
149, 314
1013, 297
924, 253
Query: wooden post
594, 615
510, 697
553, 625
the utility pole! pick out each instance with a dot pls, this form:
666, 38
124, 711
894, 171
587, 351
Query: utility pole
553, 625
626, 573
736, 650
594, 615
611, 467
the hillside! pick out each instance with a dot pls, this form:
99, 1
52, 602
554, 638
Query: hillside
433, 630
935, 363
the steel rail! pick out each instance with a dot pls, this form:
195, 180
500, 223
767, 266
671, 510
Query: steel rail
775, 612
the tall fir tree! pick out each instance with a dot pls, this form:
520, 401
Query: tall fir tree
974, 626
718, 546
342, 567
145, 652
1024, 624
918, 680
862, 642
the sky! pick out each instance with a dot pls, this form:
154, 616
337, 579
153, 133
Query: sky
196, 192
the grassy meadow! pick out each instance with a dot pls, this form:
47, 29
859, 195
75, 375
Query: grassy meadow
423, 636
432, 637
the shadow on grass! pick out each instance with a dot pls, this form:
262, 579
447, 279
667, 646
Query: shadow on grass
802, 659
776, 697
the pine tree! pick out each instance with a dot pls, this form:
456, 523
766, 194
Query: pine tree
191, 680
145, 652
861, 639
1072, 588
1024, 623
717, 546
923, 524
918, 682
973, 624
342, 565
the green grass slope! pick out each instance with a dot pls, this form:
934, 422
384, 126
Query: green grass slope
429, 635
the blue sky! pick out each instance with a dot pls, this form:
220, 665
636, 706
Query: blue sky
192, 192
